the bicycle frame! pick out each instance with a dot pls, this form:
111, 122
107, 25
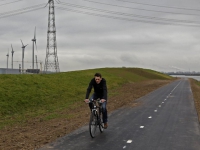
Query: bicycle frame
96, 117
97, 108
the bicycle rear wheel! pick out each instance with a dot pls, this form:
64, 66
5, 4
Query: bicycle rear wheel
93, 124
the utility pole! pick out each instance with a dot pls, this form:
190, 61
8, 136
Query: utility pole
51, 60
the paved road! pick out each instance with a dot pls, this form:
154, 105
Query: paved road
166, 120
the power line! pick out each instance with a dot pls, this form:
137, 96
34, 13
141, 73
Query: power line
183, 8
40, 6
22, 10
126, 14
10, 2
141, 8
127, 19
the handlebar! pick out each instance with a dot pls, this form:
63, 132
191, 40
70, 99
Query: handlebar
98, 100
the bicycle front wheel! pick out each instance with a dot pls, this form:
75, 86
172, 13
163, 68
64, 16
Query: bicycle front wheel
101, 124
93, 124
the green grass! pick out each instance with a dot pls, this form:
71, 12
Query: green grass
198, 83
26, 96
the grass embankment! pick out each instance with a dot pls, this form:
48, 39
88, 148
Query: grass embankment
37, 109
27, 96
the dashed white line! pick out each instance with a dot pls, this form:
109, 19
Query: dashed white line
129, 141
176, 86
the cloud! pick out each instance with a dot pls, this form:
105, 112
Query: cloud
88, 41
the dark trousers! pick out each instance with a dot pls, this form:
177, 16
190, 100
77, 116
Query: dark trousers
104, 109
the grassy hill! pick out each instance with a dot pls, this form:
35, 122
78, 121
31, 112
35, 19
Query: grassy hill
27, 96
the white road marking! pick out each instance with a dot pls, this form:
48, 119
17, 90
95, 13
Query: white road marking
163, 102
129, 141
159, 106
124, 147
176, 86
141, 127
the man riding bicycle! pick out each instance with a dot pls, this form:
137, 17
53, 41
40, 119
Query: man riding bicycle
100, 91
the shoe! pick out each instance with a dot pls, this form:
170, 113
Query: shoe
105, 125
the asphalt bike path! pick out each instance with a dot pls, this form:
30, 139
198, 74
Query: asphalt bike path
165, 119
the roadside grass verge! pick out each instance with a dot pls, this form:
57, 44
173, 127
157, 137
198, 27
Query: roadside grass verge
195, 85
45, 95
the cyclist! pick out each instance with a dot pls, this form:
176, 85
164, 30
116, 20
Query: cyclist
100, 91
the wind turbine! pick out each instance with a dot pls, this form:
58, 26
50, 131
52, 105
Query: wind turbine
12, 56
23, 49
36, 62
7, 58
34, 42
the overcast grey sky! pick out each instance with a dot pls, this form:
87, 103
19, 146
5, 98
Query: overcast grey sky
162, 35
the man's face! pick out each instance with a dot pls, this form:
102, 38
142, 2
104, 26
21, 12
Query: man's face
97, 79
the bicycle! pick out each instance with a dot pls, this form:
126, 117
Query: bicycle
96, 118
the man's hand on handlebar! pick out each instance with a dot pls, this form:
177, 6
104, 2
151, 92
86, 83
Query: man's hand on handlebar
103, 100
87, 100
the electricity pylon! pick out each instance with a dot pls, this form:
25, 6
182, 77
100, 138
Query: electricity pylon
51, 60
34, 43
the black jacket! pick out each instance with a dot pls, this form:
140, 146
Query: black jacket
99, 89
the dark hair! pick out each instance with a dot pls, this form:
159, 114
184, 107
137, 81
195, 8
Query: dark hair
97, 75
